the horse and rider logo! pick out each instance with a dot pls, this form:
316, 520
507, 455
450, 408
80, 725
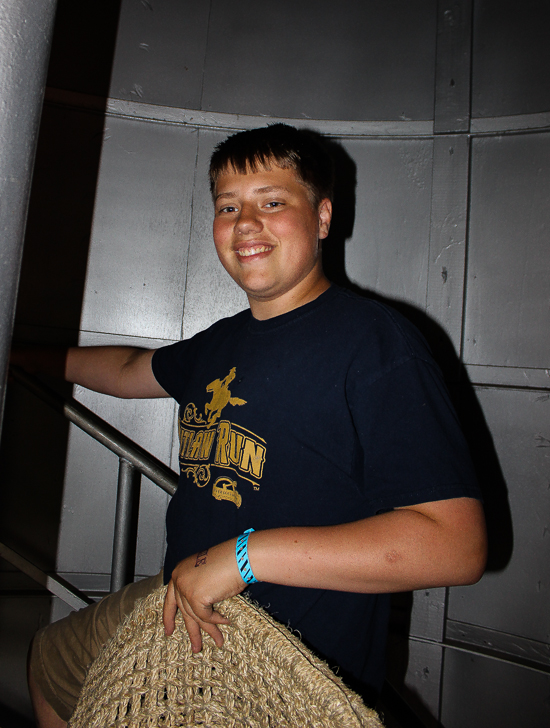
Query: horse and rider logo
221, 397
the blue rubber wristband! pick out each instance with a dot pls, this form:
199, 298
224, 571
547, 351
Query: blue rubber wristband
243, 562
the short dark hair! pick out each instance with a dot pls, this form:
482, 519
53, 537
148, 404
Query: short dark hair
282, 145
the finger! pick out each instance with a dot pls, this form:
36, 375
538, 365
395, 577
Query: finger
194, 627
194, 632
169, 610
214, 632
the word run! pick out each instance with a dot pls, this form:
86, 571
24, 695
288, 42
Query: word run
232, 448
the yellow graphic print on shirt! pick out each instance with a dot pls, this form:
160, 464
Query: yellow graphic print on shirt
221, 396
208, 442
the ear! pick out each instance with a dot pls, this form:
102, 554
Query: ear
325, 216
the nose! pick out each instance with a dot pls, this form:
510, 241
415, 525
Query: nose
248, 221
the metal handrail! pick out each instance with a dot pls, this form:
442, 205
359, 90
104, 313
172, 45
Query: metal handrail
134, 461
67, 592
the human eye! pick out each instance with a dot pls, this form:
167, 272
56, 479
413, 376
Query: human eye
272, 204
226, 209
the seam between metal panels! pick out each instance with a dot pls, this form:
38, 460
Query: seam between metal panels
466, 258
220, 121
510, 123
190, 230
394, 129
451, 119
510, 132
518, 387
205, 50
466, 648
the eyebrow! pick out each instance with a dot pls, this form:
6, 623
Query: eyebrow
256, 191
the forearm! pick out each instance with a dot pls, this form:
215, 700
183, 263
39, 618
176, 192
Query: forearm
432, 544
121, 371
396, 551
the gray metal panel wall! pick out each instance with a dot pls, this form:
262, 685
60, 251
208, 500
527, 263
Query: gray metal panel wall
479, 691
321, 60
313, 59
508, 263
138, 250
160, 52
511, 58
388, 250
515, 599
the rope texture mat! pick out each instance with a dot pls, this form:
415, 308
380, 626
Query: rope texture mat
262, 677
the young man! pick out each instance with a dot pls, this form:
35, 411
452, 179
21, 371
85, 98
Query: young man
317, 418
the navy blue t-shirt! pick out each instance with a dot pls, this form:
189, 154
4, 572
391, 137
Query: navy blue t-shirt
327, 414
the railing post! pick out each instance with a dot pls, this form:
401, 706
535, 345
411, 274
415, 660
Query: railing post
127, 505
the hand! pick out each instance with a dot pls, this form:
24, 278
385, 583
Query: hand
197, 583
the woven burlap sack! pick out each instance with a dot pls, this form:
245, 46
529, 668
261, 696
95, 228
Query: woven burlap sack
262, 677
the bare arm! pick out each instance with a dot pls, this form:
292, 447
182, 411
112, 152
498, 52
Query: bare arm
428, 545
116, 370
442, 543
121, 371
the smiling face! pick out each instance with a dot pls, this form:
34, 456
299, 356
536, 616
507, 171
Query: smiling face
267, 234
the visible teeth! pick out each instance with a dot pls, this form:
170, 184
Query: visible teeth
246, 252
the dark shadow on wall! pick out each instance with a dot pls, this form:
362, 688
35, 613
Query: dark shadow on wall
67, 164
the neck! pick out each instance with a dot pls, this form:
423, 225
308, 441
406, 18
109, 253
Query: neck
300, 295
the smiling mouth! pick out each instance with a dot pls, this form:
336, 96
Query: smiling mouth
247, 252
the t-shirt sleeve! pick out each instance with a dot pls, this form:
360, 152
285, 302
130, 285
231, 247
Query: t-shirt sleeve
413, 448
171, 367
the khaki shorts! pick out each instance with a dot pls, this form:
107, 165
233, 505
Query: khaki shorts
62, 652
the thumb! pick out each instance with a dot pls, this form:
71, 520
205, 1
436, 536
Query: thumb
207, 613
